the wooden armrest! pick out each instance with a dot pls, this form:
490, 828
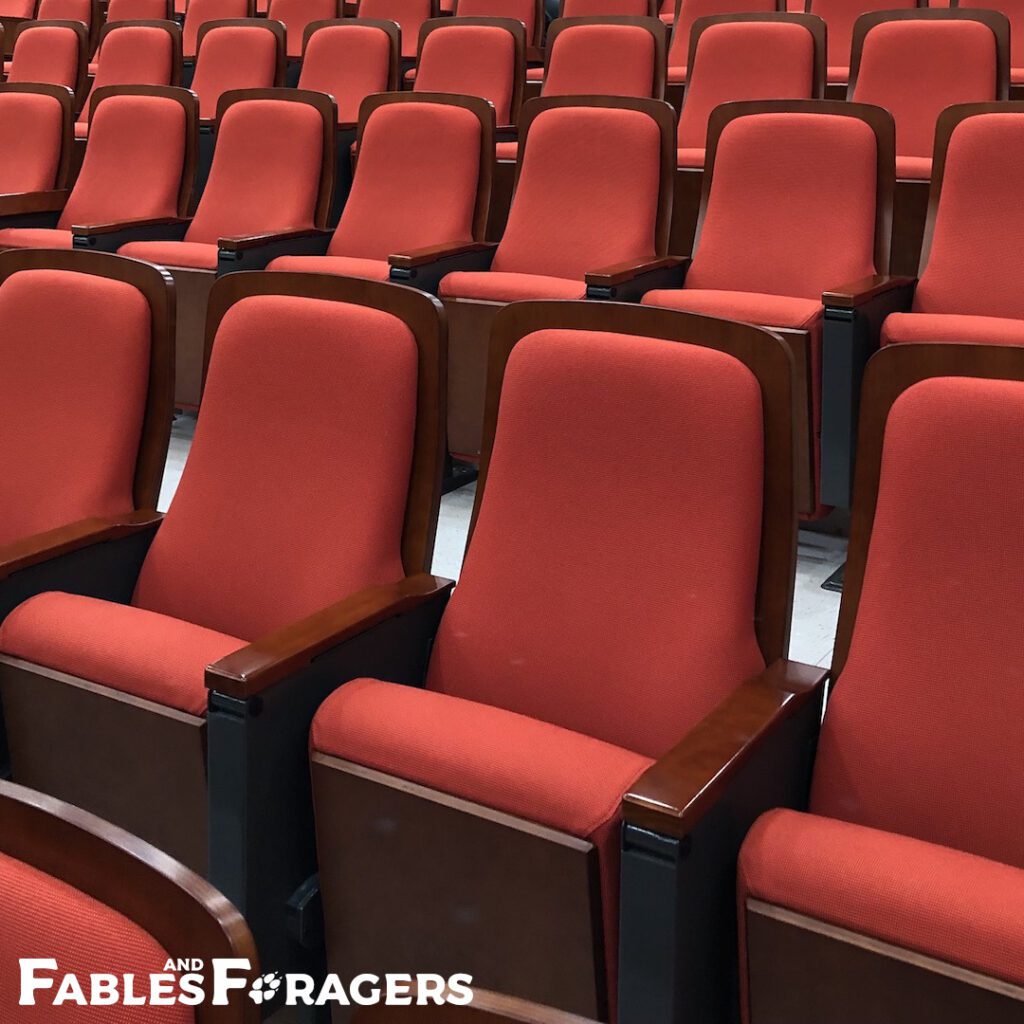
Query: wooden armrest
51, 201
273, 657
44, 546
620, 273
433, 253
126, 225
242, 242
856, 293
673, 794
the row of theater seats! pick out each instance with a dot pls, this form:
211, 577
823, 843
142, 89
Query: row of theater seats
543, 777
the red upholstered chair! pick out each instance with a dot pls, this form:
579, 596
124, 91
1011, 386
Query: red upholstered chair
139, 165
237, 53
409, 16
529, 12
776, 55
12, 14
895, 893
100, 902
797, 203
86, 13
134, 10
587, 634
606, 8
201, 11
35, 139
53, 53
420, 193
592, 194
297, 15
840, 16
1014, 11
188, 653
257, 194
915, 64
134, 53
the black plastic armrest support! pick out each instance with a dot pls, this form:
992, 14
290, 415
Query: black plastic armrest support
629, 282
425, 268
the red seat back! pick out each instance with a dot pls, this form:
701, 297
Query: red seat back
602, 60
245, 54
524, 11
50, 54
839, 17
295, 15
31, 138
691, 10
199, 12
409, 14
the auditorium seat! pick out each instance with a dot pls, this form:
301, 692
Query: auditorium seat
971, 288
104, 904
201, 11
420, 191
86, 12
609, 602
593, 193
296, 15
308, 499
529, 12
12, 14
797, 205
840, 16
134, 10
1014, 11
50, 53
605, 8
895, 892
134, 53
136, 168
246, 206
915, 64
409, 16
237, 53
35, 139
776, 55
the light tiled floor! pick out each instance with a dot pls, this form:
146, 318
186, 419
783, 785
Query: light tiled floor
814, 613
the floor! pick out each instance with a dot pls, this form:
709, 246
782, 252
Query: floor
814, 613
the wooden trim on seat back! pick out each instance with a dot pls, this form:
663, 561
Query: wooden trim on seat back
483, 110
82, 71
424, 317
328, 111
156, 285
654, 25
881, 123
510, 25
890, 372
813, 24
662, 114
278, 29
944, 128
183, 912
190, 103
171, 27
67, 103
764, 354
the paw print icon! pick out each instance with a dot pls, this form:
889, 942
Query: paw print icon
264, 988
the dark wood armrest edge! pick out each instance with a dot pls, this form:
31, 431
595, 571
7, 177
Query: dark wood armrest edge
856, 293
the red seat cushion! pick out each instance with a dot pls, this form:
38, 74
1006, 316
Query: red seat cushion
918, 168
957, 907
344, 266
535, 74
35, 238
690, 157
495, 287
132, 650
197, 255
506, 150
749, 307
838, 75
949, 327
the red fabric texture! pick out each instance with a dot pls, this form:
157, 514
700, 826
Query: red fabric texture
133, 162
956, 907
1014, 10
556, 652
522, 10
65, 10
749, 60
792, 206
839, 17
587, 195
506, 151
949, 327
254, 187
409, 14
690, 158
30, 139
510, 287
604, 8
131, 650
49, 53
689, 12
748, 307
199, 12
977, 253
474, 60
259, 535
136, 10
915, 69
43, 917
18, 9
233, 57
350, 62
603, 60
922, 734
73, 401
918, 168
415, 182
295, 15
194, 255
343, 266
35, 238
